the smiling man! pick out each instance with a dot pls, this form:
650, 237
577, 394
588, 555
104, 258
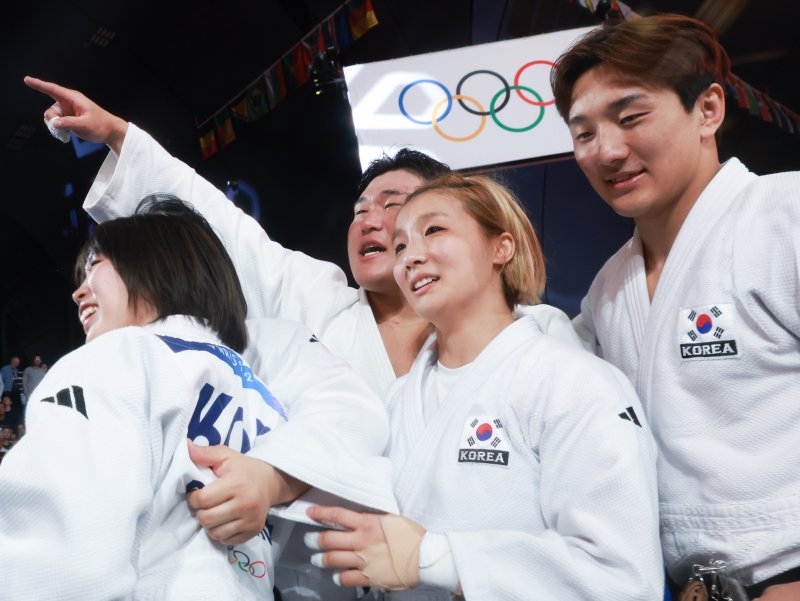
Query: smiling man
700, 307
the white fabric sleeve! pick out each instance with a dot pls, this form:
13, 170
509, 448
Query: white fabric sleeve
436, 564
583, 325
73, 490
277, 282
337, 428
551, 321
766, 249
598, 499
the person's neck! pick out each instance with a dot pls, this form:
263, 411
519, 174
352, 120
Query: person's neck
390, 307
462, 339
658, 233
402, 331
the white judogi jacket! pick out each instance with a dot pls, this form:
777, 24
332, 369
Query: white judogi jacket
539, 468
93, 497
277, 282
715, 359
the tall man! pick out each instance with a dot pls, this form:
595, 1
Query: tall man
700, 308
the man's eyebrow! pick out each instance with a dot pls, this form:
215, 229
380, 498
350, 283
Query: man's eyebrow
615, 106
386, 192
627, 100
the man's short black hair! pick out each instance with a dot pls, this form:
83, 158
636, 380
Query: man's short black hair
413, 161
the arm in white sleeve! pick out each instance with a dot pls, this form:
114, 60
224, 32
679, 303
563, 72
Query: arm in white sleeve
277, 282
437, 567
74, 488
598, 500
337, 428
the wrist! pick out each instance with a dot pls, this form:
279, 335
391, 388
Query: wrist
282, 488
116, 136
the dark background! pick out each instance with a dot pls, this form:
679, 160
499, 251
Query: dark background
169, 65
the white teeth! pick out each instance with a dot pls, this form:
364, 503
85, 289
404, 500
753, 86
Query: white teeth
87, 312
423, 282
372, 252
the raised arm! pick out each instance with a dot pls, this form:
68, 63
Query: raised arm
277, 282
72, 111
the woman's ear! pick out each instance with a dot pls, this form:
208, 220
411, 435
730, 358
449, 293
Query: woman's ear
504, 248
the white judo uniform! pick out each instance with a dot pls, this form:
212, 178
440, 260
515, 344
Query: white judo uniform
92, 499
715, 359
277, 282
537, 465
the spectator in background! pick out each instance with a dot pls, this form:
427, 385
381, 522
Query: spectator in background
12, 412
7, 440
32, 376
9, 375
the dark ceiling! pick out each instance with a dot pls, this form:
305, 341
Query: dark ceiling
169, 65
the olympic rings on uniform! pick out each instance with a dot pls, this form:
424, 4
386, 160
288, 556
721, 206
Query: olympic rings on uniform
477, 109
516, 83
257, 569
460, 99
516, 129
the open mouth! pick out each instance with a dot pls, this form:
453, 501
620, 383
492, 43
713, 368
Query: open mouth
86, 313
423, 282
372, 249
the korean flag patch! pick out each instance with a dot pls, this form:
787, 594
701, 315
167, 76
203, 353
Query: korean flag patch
484, 440
708, 332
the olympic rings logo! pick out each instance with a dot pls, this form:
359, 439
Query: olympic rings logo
257, 569
527, 94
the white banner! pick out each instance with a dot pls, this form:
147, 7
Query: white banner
468, 107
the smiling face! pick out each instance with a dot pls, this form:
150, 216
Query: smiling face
445, 265
369, 239
103, 303
643, 153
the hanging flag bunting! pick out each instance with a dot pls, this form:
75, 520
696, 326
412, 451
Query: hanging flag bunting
224, 128
208, 144
338, 30
315, 42
301, 64
329, 33
361, 17
344, 36
253, 105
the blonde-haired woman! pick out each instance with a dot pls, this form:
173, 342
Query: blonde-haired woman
522, 467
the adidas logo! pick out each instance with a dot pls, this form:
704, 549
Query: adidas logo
65, 399
630, 415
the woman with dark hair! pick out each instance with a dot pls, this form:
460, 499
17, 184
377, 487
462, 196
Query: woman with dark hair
94, 496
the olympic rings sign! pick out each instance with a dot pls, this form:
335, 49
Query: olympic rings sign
257, 569
527, 94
